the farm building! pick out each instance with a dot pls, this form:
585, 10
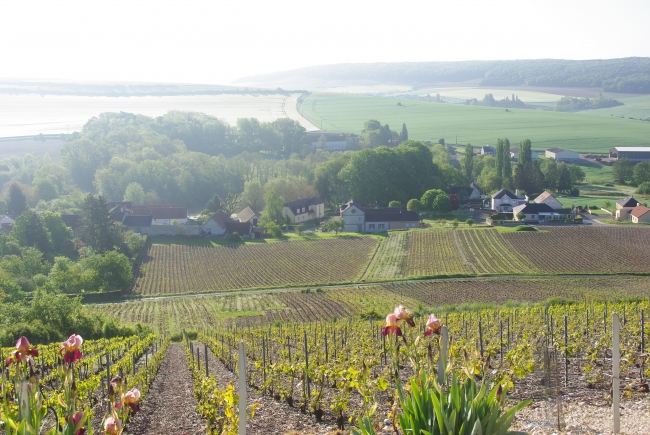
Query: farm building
138, 224
467, 192
163, 214
640, 214
633, 154
371, 220
249, 215
514, 153
302, 210
624, 207
221, 224
562, 155
548, 199
488, 150
332, 141
504, 200
535, 213
6, 223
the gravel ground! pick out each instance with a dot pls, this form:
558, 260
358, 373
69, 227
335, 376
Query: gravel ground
169, 408
540, 418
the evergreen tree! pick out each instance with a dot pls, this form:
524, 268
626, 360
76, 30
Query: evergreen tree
499, 158
468, 162
507, 165
404, 135
525, 151
16, 200
98, 228
29, 231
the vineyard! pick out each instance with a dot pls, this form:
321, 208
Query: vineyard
172, 315
479, 251
135, 359
174, 269
343, 370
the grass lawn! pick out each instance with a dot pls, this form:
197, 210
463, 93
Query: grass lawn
476, 125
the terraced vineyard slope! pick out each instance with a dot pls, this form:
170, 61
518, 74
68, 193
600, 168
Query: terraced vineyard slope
173, 269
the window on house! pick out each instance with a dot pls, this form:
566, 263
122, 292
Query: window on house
303, 209
532, 217
381, 226
298, 211
372, 226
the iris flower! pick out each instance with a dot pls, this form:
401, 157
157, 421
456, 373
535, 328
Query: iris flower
112, 426
23, 352
391, 326
131, 399
404, 314
433, 325
71, 348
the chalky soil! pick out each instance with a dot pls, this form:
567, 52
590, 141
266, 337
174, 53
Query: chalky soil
169, 407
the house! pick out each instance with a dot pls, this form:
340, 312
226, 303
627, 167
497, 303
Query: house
562, 155
624, 207
302, 210
138, 224
514, 153
633, 154
334, 141
548, 199
6, 223
249, 215
163, 214
640, 214
221, 224
366, 219
535, 213
467, 192
504, 200
487, 150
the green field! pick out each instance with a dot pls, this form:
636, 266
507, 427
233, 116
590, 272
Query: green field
635, 107
477, 125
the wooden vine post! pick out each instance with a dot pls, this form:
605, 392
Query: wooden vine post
442, 359
242, 389
616, 362
207, 372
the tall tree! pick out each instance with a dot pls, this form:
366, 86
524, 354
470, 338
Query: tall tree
29, 231
273, 210
404, 135
468, 162
98, 228
564, 179
135, 193
499, 158
16, 200
525, 151
507, 164
623, 170
529, 177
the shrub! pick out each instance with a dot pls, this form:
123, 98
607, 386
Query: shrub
191, 334
273, 229
176, 338
574, 192
469, 222
644, 188
395, 204
234, 237
525, 228
414, 205
494, 216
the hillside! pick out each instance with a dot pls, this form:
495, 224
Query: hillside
629, 75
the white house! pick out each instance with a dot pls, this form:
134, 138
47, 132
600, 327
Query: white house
249, 215
373, 220
624, 207
333, 141
488, 150
548, 199
562, 155
302, 210
535, 213
514, 153
216, 225
504, 200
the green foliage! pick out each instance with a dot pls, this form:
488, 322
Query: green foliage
98, 228
623, 170
571, 104
334, 224
442, 204
524, 228
469, 222
429, 197
300, 228
16, 200
414, 205
644, 188
468, 162
395, 204
135, 193
525, 152
331, 188
272, 229
641, 173
29, 231
234, 237
273, 213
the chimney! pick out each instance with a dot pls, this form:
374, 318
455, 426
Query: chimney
517, 192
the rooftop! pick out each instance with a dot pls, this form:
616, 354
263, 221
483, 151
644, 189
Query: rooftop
627, 202
633, 149
533, 209
306, 202
504, 192
246, 214
138, 221
639, 211
556, 150
390, 215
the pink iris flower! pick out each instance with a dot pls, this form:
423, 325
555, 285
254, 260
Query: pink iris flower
131, 399
77, 421
71, 348
404, 314
23, 352
433, 325
112, 426
391, 326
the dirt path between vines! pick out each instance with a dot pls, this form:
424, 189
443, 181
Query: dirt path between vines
272, 417
169, 408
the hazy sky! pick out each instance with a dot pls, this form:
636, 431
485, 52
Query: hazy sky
221, 40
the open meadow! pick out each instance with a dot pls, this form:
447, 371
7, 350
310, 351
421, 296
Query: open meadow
476, 125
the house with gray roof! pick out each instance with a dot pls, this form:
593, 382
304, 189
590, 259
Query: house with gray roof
372, 220
302, 210
504, 200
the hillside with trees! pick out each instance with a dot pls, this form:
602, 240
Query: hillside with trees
627, 75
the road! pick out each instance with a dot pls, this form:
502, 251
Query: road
291, 112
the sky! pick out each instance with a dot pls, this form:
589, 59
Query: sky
215, 42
